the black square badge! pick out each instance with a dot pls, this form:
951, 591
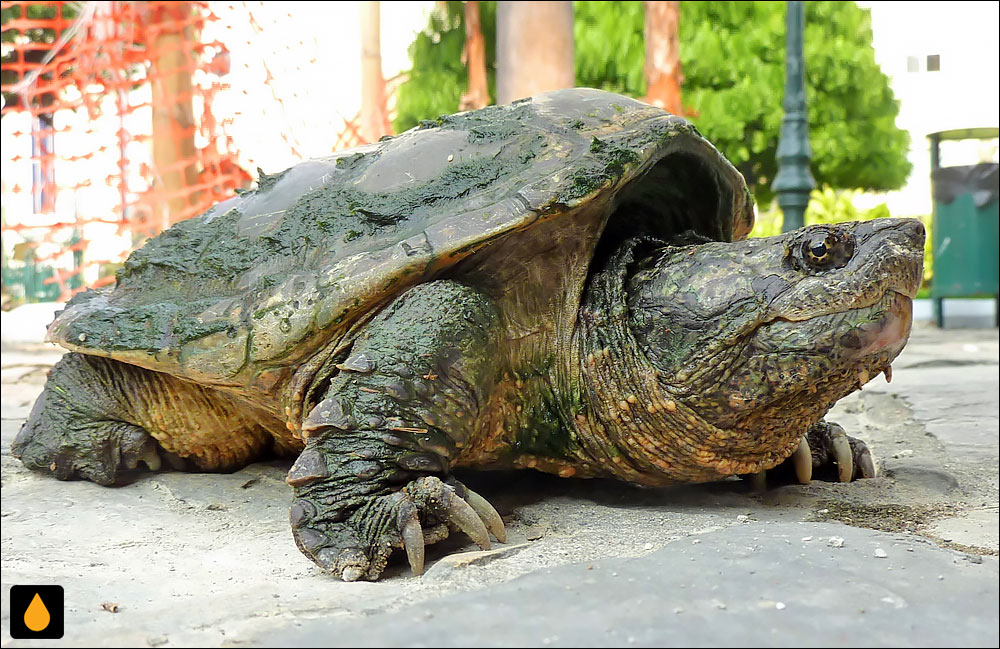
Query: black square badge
36, 612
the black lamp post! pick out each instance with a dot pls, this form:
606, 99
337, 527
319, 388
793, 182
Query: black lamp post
794, 182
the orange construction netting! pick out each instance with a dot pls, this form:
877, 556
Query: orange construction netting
111, 131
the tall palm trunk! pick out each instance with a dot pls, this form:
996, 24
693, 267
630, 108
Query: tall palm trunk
663, 59
534, 48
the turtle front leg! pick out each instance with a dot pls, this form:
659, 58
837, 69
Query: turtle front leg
835, 455
375, 472
825, 452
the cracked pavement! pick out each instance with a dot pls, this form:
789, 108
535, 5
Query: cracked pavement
909, 558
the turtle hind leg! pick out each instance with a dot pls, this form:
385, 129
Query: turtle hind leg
99, 452
73, 431
97, 418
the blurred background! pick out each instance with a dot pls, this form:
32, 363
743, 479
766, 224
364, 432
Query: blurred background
121, 118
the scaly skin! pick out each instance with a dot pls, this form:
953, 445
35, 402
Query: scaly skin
633, 411
406, 402
692, 363
97, 418
687, 363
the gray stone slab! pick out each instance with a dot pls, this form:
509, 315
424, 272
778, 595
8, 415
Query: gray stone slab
784, 584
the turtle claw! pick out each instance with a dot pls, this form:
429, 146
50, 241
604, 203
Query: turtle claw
413, 537
356, 545
467, 520
866, 462
842, 453
802, 461
458, 506
758, 481
139, 446
352, 573
488, 514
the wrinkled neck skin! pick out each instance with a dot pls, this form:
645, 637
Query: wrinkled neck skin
639, 427
704, 361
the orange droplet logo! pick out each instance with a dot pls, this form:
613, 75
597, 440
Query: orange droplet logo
36, 617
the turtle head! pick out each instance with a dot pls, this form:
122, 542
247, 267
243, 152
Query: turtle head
762, 336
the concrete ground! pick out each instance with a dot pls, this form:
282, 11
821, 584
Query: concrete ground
908, 558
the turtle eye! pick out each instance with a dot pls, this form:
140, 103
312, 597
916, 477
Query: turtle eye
826, 249
818, 251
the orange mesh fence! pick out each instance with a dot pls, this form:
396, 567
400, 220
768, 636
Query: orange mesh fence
118, 121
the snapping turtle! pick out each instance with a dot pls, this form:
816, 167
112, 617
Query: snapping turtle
562, 283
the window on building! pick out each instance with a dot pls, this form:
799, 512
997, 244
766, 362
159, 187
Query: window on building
912, 64
933, 62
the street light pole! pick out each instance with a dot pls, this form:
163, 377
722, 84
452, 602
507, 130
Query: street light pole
794, 182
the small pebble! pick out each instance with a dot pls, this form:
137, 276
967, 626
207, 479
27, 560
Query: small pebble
780, 606
836, 542
806, 539
743, 518
648, 546
880, 553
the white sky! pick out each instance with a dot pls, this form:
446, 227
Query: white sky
313, 52
964, 93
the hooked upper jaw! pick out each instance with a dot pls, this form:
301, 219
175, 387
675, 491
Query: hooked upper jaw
814, 315
886, 256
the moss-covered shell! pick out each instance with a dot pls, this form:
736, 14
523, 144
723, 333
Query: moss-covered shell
263, 278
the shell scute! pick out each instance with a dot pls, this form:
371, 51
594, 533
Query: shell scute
264, 277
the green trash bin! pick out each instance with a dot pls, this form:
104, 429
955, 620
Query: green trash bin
965, 235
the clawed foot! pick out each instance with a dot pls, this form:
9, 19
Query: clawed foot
98, 451
825, 452
357, 545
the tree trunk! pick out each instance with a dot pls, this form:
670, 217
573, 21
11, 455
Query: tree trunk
374, 119
474, 56
663, 57
534, 48
174, 153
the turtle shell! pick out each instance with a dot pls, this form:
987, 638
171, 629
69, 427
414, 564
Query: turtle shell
268, 277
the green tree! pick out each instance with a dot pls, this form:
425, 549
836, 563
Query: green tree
732, 54
733, 57
435, 83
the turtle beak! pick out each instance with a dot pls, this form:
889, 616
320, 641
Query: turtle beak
899, 241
